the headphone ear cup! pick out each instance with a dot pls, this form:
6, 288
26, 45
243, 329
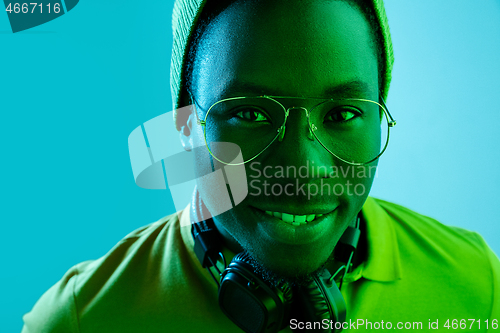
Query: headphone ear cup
318, 301
253, 304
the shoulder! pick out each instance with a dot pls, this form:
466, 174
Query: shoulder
59, 308
449, 256
451, 266
430, 234
55, 311
140, 247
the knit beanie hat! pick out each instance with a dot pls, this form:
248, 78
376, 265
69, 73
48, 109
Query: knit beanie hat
184, 19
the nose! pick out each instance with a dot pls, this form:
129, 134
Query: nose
296, 146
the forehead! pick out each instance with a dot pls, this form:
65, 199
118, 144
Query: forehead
292, 48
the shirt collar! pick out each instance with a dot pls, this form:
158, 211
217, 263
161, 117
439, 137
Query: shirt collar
383, 260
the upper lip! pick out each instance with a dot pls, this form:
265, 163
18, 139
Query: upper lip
309, 210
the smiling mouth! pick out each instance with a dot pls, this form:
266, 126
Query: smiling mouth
295, 220
295, 229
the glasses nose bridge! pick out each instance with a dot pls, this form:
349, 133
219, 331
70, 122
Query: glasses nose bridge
310, 135
298, 108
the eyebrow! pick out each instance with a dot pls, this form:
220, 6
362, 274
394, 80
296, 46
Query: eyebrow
236, 87
355, 88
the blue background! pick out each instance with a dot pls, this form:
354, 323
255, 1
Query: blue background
74, 88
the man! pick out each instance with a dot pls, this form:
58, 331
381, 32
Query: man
299, 87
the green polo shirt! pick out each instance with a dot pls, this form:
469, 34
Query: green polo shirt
418, 274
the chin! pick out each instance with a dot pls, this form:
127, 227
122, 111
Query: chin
295, 265
276, 256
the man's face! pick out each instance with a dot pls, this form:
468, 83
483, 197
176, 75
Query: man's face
289, 48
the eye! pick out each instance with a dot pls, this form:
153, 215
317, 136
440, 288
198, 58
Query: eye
342, 114
252, 114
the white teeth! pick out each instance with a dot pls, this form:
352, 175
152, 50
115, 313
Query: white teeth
287, 217
295, 220
299, 218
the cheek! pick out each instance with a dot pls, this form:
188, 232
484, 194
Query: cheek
354, 186
220, 186
209, 181
341, 184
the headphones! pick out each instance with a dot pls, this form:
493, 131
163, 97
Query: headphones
257, 306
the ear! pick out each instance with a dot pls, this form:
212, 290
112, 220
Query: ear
185, 120
186, 123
